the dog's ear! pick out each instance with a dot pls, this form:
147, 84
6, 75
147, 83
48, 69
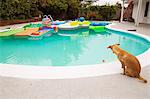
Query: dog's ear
109, 47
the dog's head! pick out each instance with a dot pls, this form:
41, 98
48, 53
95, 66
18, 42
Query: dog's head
111, 46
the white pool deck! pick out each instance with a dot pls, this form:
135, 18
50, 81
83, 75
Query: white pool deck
113, 86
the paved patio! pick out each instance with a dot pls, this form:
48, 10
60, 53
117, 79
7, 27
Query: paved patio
142, 28
102, 87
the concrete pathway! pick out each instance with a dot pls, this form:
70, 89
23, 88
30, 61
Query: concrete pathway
142, 29
103, 87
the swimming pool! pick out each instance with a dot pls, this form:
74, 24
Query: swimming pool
87, 42
83, 47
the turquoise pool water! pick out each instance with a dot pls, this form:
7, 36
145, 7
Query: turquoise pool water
86, 48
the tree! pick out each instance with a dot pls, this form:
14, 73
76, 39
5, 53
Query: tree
58, 9
18, 9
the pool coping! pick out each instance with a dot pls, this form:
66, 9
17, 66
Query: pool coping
69, 72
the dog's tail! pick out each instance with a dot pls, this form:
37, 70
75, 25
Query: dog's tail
140, 78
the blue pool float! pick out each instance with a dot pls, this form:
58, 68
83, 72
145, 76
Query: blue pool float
58, 22
81, 19
99, 24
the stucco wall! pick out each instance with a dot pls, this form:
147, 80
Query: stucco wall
142, 19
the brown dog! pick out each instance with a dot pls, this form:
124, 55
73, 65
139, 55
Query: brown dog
130, 64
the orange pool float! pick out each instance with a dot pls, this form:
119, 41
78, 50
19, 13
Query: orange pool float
27, 32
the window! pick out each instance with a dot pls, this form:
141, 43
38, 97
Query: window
146, 9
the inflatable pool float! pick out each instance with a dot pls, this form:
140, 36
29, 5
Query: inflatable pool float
41, 33
58, 22
10, 32
44, 31
84, 24
74, 23
69, 26
99, 23
81, 19
5, 30
97, 28
33, 25
27, 32
48, 27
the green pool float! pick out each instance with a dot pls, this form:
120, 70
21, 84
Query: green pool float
10, 32
97, 28
33, 25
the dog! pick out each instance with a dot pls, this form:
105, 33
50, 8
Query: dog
130, 64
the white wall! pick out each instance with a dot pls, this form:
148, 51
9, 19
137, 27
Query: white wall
142, 19
146, 19
135, 9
